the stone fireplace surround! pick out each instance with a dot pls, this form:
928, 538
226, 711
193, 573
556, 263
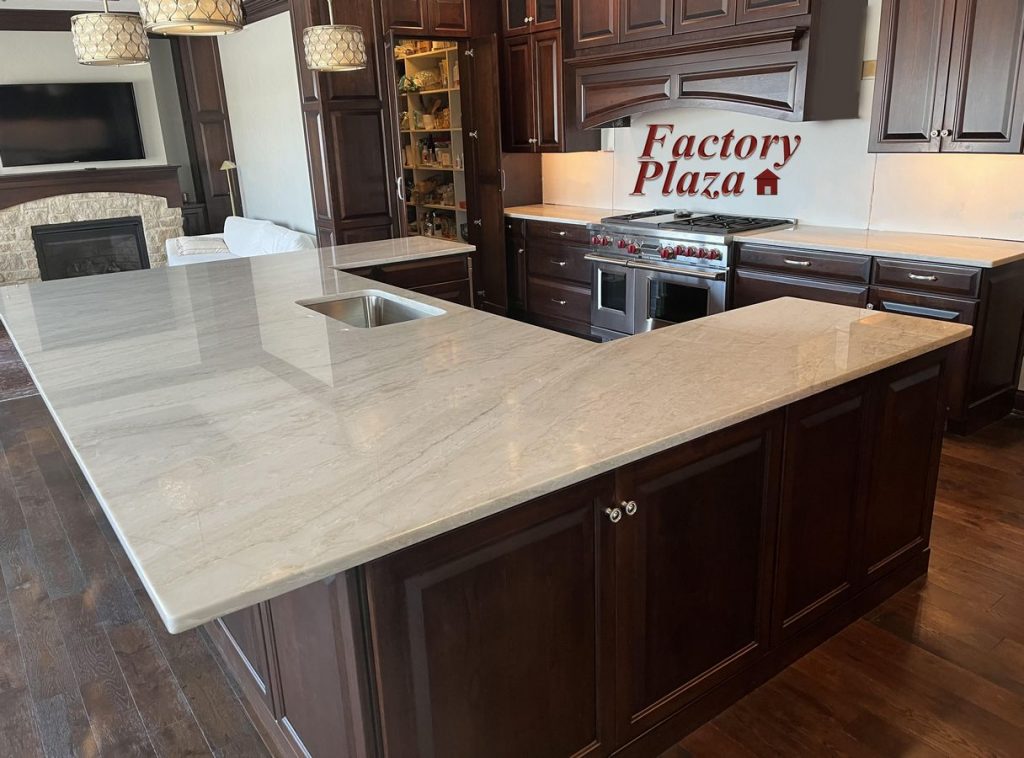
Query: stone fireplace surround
17, 250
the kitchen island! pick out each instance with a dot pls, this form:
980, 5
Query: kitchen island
463, 535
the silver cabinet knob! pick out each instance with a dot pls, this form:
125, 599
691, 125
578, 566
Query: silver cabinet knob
532, 140
474, 134
614, 515
945, 133
934, 133
870, 306
478, 222
629, 507
561, 234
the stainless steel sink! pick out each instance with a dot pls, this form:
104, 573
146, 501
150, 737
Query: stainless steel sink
371, 308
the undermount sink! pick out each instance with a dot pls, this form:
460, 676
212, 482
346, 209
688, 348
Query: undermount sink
370, 308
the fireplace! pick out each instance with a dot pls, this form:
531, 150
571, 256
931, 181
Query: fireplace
85, 248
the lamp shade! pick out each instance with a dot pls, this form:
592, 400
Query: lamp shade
334, 47
109, 39
191, 17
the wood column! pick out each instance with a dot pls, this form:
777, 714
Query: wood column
204, 108
350, 132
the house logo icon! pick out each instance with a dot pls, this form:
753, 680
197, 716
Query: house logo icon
767, 183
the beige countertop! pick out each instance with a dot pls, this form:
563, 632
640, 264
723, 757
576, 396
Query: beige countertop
965, 251
566, 214
397, 250
243, 445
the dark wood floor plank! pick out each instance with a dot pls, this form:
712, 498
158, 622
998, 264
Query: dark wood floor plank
18, 736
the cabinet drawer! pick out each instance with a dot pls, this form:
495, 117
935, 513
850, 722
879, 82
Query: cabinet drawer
928, 277
752, 287
853, 268
559, 299
566, 262
454, 292
564, 232
424, 272
953, 309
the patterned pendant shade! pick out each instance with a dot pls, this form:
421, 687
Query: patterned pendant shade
334, 47
109, 39
191, 17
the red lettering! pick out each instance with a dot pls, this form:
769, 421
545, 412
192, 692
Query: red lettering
745, 147
688, 184
702, 150
733, 184
648, 170
653, 138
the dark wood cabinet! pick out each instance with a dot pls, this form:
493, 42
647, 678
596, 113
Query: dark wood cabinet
246, 630
694, 569
751, 287
547, 83
595, 23
823, 489
905, 458
691, 15
526, 16
515, 255
448, 278
950, 77
446, 18
762, 10
646, 19
519, 104
497, 639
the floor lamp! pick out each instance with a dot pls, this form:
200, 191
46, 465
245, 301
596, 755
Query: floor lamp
227, 167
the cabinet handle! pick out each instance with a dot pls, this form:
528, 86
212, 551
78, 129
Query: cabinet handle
561, 234
945, 133
400, 184
478, 222
934, 133
614, 515
521, 250
629, 507
792, 262
560, 302
923, 278
557, 262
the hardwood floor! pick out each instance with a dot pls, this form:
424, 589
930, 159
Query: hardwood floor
86, 668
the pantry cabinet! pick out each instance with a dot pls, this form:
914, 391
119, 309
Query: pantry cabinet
950, 77
526, 16
447, 18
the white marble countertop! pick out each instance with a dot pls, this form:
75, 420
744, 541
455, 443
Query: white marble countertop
566, 214
243, 446
964, 251
360, 254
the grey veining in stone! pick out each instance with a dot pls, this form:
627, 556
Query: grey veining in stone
244, 446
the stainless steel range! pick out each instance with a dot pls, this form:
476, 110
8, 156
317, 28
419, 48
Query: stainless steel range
657, 268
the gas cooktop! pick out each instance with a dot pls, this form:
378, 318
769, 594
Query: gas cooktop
697, 223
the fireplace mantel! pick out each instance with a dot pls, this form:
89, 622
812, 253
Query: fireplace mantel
161, 181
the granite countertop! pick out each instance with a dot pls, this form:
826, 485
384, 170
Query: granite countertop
566, 214
963, 251
243, 446
397, 250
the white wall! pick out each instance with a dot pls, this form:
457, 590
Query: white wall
262, 88
168, 103
36, 57
831, 180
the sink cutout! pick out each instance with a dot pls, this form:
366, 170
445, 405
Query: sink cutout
367, 309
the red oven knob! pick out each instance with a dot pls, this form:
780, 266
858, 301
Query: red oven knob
702, 253
595, 240
632, 249
606, 241
623, 244
680, 250
665, 252
714, 255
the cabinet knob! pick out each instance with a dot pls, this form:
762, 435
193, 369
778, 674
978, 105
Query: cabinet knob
474, 134
614, 515
478, 222
561, 234
945, 133
934, 133
870, 306
629, 507
532, 140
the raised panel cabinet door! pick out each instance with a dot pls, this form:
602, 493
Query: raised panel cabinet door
547, 53
752, 287
323, 681
546, 14
449, 17
495, 639
407, 15
516, 16
760, 10
906, 446
644, 19
703, 14
247, 633
911, 77
519, 105
985, 98
694, 568
595, 22
824, 477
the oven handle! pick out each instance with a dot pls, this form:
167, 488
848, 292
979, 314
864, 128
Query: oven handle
602, 259
716, 276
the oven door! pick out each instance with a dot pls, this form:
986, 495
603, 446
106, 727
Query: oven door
666, 296
612, 300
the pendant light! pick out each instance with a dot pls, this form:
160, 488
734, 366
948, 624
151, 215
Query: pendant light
109, 39
334, 47
199, 18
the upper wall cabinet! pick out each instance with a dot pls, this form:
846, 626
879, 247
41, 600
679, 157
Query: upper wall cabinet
525, 16
950, 77
447, 18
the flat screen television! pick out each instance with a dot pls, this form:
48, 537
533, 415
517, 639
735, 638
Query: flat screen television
42, 124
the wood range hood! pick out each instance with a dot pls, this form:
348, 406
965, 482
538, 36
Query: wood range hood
800, 68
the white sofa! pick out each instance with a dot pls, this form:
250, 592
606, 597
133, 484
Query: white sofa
242, 238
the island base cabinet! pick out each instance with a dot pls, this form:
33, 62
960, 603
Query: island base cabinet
616, 615
495, 640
